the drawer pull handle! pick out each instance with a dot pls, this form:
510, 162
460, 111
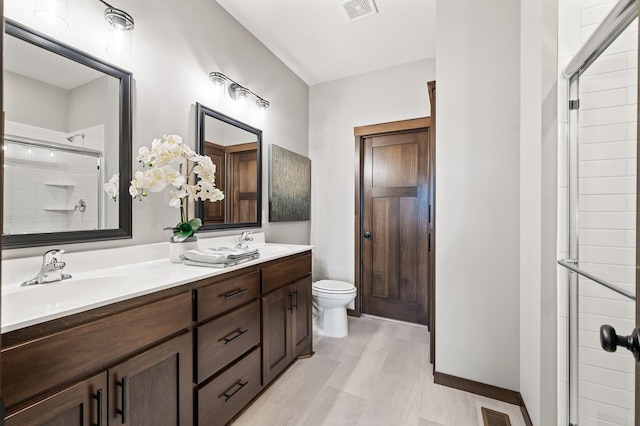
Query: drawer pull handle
295, 294
235, 293
123, 384
98, 397
229, 339
290, 301
228, 396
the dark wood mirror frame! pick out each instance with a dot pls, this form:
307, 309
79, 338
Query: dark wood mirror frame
125, 122
202, 112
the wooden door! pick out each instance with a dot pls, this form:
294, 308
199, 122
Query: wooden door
243, 183
276, 332
302, 332
154, 387
215, 212
81, 404
395, 218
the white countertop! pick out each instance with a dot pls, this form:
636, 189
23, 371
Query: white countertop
102, 277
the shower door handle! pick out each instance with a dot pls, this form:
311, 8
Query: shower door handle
610, 341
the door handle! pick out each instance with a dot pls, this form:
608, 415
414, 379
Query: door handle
610, 341
367, 234
123, 402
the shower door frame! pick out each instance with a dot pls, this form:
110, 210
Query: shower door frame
621, 16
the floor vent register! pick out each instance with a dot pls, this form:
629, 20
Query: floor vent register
494, 418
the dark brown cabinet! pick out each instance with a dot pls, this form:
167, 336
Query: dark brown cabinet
286, 327
227, 394
227, 348
197, 354
286, 315
302, 331
276, 333
82, 404
154, 387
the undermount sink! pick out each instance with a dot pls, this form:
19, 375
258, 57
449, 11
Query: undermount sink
65, 291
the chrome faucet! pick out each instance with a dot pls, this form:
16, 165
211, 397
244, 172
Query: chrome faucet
51, 270
243, 240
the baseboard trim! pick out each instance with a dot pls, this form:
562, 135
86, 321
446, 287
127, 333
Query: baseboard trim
483, 389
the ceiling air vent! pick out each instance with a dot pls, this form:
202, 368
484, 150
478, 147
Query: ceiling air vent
355, 10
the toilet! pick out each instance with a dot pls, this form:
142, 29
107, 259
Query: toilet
331, 299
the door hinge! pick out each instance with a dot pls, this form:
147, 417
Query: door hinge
574, 104
429, 214
429, 242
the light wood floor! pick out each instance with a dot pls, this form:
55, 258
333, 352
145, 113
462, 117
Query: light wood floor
378, 375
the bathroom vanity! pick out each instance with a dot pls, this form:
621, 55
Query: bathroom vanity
195, 352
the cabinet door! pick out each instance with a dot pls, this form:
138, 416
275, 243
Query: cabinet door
81, 404
302, 326
276, 332
154, 387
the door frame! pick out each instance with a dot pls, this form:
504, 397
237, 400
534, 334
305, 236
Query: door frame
360, 133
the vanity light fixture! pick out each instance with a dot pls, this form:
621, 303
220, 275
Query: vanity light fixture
119, 38
262, 104
52, 12
217, 78
237, 91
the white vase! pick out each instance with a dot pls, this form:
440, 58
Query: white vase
176, 249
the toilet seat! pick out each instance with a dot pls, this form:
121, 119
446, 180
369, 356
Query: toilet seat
333, 287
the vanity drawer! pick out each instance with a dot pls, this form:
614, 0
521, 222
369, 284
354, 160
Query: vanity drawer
230, 392
224, 339
218, 298
283, 273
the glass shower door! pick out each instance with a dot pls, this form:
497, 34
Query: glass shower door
602, 173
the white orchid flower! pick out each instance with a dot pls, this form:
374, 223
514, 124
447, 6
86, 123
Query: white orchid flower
112, 187
154, 180
171, 162
176, 198
144, 155
173, 176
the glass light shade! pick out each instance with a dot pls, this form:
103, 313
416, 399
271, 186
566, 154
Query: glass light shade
118, 41
53, 12
120, 31
241, 92
262, 104
217, 78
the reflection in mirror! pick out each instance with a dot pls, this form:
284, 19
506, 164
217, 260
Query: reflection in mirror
235, 148
67, 132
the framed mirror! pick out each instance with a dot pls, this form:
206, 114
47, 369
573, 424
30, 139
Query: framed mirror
67, 133
236, 150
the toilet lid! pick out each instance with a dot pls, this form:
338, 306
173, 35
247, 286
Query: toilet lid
330, 286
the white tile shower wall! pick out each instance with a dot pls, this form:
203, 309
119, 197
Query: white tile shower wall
53, 189
29, 179
84, 172
607, 186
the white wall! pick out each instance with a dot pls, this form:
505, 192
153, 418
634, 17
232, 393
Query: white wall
538, 188
477, 191
335, 108
175, 47
36, 103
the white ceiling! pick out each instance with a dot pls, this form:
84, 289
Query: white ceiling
314, 39
34, 62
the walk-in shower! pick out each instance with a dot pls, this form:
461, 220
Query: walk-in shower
601, 173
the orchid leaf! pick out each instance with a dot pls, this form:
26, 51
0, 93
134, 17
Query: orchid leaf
195, 223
